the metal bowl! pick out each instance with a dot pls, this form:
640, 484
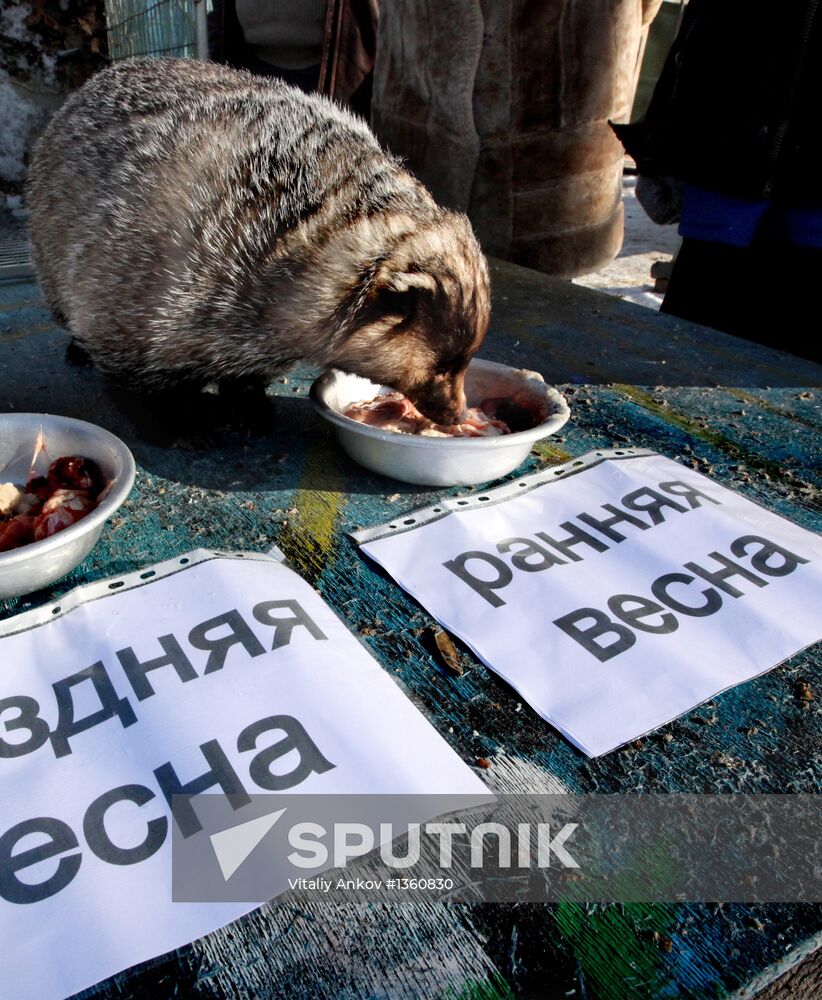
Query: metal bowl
435, 461
41, 563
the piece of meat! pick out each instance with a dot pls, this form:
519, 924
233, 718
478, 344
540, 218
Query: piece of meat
48, 504
39, 487
392, 411
75, 472
15, 532
61, 510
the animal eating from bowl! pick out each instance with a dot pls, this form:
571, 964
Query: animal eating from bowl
194, 226
493, 417
391, 411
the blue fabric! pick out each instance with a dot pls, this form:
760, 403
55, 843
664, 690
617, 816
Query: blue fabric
719, 218
804, 226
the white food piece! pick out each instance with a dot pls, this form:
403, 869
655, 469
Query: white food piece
10, 496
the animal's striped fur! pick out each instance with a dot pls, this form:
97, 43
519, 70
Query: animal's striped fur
195, 223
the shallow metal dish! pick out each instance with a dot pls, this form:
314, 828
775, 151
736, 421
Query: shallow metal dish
41, 563
434, 461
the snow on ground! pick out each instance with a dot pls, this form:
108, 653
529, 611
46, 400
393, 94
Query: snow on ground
629, 275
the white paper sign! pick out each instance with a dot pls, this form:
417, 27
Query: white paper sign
614, 593
66, 740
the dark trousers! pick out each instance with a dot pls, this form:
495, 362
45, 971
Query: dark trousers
768, 292
305, 79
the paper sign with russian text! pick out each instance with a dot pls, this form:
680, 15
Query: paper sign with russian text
208, 673
614, 593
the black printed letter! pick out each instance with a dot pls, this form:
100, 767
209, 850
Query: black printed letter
621, 606
759, 560
484, 588
27, 719
719, 577
136, 671
239, 632
61, 839
283, 627
94, 827
713, 602
112, 706
221, 773
296, 738
602, 625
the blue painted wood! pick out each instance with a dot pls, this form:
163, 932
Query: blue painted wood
632, 378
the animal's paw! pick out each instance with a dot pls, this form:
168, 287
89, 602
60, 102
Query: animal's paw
246, 406
77, 355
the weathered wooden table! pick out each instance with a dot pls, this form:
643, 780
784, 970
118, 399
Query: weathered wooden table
746, 415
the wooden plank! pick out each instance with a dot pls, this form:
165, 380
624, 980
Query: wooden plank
575, 334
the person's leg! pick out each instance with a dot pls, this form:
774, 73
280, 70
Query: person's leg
795, 324
306, 79
709, 284
767, 293
776, 300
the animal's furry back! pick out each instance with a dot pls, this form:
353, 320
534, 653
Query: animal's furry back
164, 192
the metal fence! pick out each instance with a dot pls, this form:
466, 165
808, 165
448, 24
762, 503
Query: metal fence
163, 27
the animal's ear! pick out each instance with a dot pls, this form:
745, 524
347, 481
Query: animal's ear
404, 281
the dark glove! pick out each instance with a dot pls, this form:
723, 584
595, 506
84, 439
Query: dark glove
661, 198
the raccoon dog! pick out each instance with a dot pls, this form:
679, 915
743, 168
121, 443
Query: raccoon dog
194, 224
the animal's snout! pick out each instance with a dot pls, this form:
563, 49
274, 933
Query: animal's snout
442, 399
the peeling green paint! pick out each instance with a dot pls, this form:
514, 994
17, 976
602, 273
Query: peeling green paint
779, 411
550, 453
495, 989
309, 538
614, 960
716, 439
